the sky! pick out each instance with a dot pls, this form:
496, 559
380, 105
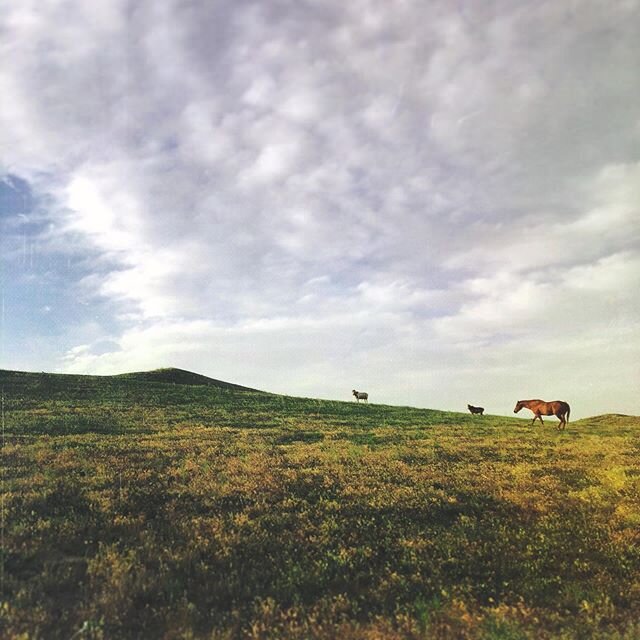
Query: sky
435, 202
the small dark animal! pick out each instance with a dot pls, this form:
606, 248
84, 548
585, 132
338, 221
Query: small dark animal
475, 410
540, 408
361, 395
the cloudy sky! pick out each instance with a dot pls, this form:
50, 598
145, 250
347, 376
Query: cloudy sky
437, 202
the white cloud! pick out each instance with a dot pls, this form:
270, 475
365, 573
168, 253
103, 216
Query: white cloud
430, 187
274, 161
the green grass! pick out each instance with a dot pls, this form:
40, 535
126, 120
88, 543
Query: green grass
138, 508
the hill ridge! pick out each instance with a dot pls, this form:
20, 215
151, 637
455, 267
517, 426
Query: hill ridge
175, 375
183, 377
165, 375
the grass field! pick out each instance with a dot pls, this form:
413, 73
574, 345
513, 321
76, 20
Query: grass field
133, 507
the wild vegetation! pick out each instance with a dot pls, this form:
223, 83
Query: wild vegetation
137, 508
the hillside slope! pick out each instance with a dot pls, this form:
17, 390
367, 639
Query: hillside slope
137, 509
44, 385
173, 375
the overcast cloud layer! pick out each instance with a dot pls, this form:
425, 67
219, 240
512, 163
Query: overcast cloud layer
436, 202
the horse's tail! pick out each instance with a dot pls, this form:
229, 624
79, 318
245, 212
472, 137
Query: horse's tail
568, 412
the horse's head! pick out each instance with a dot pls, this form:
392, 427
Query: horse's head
519, 406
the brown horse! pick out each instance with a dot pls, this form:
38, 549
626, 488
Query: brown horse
541, 408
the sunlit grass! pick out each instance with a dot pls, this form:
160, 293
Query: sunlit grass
143, 509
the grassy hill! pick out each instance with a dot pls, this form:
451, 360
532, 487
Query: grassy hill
178, 376
160, 505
